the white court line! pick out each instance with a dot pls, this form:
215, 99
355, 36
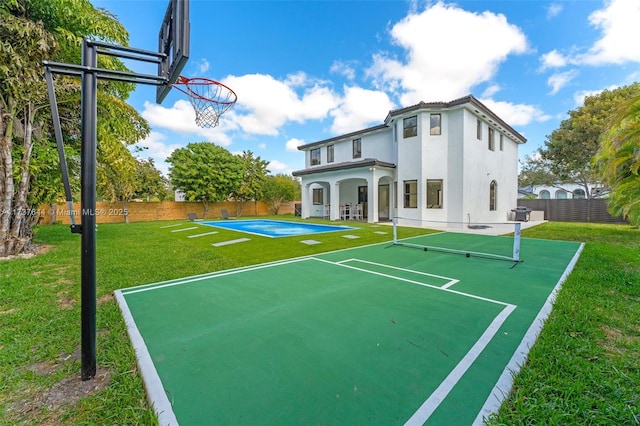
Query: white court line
185, 229
431, 404
155, 390
214, 275
448, 290
504, 384
170, 226
451, 282
202, 235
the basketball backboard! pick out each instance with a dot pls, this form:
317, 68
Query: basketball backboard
173, 40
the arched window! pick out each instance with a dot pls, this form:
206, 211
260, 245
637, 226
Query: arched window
544, 195
493, 195
578, 193
561, 194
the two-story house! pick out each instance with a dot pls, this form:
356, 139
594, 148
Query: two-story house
443, 161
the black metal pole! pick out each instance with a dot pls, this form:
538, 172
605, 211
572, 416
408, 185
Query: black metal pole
88, 207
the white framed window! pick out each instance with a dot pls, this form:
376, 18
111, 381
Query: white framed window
478, 129
434, 194
357, 148
410, 127
435, 124
330, 154
315, 156
410, 194
493, 196
491, 142
318, 196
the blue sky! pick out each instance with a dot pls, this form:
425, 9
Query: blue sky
305, 71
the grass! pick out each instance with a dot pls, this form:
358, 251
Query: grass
582, 370
40, 312
584, 366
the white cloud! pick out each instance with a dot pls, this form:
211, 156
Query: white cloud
359, 108
516, 114
450, 67
559, 80
491, 90
345, 69
265, 104
293, 144
203, 66
553, 59
262, 146
618, 42
619, 22
181, 118
554, 10
276, 167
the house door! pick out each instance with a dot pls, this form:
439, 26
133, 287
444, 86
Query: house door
362, 199
383, 202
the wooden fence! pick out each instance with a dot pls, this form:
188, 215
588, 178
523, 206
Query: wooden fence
151, 211
573, 210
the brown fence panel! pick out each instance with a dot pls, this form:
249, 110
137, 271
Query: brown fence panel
165, 210
573, 210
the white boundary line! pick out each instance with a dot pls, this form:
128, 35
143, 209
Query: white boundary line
170, 226
155, 390
431, 404
451, 282
184, 229
202, 235
504, 384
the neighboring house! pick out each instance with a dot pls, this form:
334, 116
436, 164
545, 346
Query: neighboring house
562, 191
447, 161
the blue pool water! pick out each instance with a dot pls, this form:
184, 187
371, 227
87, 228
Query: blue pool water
275, 228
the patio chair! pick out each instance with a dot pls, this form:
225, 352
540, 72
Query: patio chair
192, 217
224, 213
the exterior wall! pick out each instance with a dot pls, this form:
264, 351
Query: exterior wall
152, 211
464, 163
554, 191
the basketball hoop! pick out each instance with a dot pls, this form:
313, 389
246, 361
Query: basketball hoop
210, 99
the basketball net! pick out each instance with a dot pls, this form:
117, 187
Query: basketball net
209, 98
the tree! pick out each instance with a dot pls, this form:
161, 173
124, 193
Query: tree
30, 32
205, 172
278, 189
254, 173
569, 150
152, 185
618, 161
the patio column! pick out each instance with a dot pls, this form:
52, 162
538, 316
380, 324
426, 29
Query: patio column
335, 202
372, 190
304, 214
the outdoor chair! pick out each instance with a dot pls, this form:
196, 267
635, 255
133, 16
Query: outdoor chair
224, 213
192, 216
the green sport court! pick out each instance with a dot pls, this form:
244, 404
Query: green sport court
378, 335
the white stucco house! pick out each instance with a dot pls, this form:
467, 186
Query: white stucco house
446, 161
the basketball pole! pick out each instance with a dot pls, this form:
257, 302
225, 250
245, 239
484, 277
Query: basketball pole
88, 211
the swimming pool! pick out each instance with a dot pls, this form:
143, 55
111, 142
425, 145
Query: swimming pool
275, 228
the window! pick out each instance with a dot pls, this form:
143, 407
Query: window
318, 196
579, 193
493, 196
501, 142
410, 194
410, 126
479, 129
434, 126
315, 156
561, 194
357, 148
395, 132
434, 193
492, 146
544, 195
329, 153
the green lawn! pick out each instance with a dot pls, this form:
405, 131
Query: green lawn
583, 369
